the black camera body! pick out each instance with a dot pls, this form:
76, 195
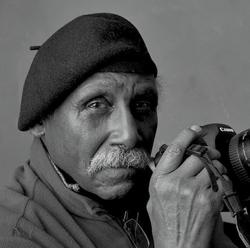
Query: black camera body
235, 156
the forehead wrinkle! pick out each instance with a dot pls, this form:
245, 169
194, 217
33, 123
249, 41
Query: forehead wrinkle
128, 83
91, 85
119, 81
105, 81
116, 82
132, 81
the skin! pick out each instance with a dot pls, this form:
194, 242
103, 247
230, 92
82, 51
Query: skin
108, 109
184, 211
111, 109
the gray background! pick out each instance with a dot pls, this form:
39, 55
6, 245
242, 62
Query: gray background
201, 48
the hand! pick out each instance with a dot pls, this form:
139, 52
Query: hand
183, 209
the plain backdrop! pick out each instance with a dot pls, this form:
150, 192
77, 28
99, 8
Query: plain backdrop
201, 47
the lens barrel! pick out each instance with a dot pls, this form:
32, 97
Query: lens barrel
239, 156
235, 155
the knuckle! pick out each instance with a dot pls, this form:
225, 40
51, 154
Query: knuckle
213, 153
196, 160
204, 200
187, 191
195, 163
182, 186
187, 188
209, 202
175, 149
162, 185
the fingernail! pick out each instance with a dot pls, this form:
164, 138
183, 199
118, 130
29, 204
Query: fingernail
196, 128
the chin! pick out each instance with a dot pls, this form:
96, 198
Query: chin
115, 191
115, 184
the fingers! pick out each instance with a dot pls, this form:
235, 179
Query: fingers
213, 153
192, 167
219, 167
173, 156
203, 177
193, 164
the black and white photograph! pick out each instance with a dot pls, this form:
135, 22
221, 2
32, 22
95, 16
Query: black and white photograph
125, 124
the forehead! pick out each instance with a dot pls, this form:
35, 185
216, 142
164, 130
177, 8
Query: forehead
117, 81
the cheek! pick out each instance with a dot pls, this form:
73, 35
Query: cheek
149, 130
73, 139
72, 142
87, 143
63, 145
94, 121
89, 137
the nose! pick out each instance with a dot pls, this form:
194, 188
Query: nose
124, 128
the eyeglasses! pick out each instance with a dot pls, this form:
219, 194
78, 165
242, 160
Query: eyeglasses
136, 233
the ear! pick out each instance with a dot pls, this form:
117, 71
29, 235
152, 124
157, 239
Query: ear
38, 130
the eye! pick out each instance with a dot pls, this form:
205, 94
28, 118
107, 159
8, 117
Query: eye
144, 107
98, 103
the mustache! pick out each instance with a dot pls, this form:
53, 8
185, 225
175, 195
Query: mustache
118, 157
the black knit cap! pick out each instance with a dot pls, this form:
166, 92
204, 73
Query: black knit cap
101, 42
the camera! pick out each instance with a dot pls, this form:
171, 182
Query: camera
235, 156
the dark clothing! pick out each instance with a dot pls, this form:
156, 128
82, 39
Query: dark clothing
37, 210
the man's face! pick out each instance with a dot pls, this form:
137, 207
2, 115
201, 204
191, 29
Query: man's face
112, 118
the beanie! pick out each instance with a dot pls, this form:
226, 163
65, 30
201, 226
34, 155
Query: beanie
101, 42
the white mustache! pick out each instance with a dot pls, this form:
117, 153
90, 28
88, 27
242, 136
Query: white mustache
118, 157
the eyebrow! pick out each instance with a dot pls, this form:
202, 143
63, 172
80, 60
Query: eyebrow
104, 87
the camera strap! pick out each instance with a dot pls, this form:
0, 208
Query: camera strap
230, 197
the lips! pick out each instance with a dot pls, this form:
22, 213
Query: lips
116, 175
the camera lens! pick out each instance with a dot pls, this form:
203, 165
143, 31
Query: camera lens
239, 155
235, 155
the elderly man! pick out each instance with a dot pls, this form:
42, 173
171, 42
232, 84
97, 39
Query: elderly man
90, 101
